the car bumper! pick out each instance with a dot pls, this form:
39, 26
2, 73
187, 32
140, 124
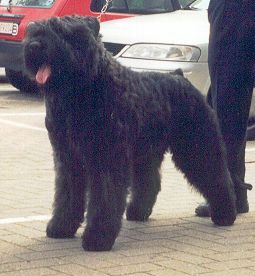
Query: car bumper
196, 72
11, 55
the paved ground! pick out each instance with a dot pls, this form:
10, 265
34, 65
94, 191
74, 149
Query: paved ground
2, 74
173, 242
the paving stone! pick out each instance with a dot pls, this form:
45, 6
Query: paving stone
237, 255
25, 265
48, 254
184, 267
74, 269
232, 272
127, 269
229, 265
34, 272
168, 272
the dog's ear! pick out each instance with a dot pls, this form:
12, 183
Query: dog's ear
93, 24
178, 72
90, 21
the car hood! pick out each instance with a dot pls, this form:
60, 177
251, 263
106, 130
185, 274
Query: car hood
188, 27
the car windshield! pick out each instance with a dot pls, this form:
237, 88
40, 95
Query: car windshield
28, 3
147, 6
139, 6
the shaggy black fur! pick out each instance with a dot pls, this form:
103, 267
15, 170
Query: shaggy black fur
110, 128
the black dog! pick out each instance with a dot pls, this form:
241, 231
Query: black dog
110, 128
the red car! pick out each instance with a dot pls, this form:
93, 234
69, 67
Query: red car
16, 14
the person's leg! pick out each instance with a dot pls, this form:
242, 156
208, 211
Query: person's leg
231, 91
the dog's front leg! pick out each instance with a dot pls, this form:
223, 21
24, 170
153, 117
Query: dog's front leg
69, 199
106, 206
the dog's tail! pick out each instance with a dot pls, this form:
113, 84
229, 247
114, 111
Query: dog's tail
178, 72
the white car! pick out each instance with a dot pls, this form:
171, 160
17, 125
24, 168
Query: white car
164, 42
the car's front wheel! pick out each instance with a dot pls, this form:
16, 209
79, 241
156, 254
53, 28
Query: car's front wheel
21, 81
251, 129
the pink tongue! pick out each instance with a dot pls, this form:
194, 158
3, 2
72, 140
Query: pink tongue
43, 74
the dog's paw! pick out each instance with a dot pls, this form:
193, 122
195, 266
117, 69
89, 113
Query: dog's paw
223, 217
97, 241
134, 213
60, 230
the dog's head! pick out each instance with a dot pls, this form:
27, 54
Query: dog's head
57, 49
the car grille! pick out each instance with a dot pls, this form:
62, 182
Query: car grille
113, 48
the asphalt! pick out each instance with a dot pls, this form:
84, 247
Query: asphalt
173, 242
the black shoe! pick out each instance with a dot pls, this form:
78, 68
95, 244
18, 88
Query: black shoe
242, 206
203, 209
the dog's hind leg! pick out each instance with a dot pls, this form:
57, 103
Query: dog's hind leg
198, 151
145, 188
69, 199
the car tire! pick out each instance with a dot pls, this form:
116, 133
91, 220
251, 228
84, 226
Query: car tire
21, 81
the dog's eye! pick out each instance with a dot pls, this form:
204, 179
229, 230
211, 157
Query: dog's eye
35, 46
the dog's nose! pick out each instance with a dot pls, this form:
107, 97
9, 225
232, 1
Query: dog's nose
34, 46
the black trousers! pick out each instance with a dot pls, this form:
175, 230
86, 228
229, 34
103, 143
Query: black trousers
231, 59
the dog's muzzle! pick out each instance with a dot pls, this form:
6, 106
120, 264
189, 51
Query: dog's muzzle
36, 61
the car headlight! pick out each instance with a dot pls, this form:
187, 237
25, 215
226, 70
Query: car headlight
163, 52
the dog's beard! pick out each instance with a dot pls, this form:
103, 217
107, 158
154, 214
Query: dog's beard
43, 74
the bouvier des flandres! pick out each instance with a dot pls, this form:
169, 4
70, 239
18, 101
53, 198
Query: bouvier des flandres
110, 128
